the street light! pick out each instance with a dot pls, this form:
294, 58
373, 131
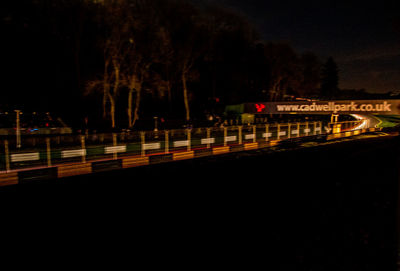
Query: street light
155, 124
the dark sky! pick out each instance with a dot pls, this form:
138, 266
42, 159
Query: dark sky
360, 36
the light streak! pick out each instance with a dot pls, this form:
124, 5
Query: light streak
363, 124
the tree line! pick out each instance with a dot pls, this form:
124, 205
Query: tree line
118, 62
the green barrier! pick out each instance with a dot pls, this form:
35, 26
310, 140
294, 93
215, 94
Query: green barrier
134, 148
95, 152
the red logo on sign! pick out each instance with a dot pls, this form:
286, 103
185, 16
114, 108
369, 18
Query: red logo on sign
260, 107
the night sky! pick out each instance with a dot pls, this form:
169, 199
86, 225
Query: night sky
360, 36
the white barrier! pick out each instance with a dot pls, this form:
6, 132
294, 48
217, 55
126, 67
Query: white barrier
20, 157
151, 146
230, 138
210, 140
249, 136
73, 153
181, 143
267, 135
115, 149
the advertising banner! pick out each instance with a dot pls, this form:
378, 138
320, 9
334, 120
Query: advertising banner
379, 107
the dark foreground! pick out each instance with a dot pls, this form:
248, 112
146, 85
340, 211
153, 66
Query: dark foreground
331, 207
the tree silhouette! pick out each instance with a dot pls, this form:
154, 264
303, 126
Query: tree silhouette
329, 79
284, 70
311, 75
146, 57
116, 47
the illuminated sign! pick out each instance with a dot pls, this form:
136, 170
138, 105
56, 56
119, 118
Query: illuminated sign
260, 107
380, 107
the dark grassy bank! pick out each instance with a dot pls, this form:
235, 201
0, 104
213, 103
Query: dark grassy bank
330, 207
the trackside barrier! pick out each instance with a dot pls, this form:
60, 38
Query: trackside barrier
155, 159
134, 162
351, 133
75, 169
183, 155
203, 152
8, 178
106, 165
221, 150
144, 148
250, 146
28, 176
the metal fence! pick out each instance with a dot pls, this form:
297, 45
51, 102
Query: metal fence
63, 149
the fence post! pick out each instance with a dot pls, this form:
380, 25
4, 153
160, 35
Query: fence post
115, 154
315, 128
7, 154
48, 152
208, 137
266, 132
18, 129
166, 141
298, 129
240, 134
83, 148
142, 137
320, 127
225, 135
114, 135
189, 139
289, 130
307, 128
254, 133
278, 136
